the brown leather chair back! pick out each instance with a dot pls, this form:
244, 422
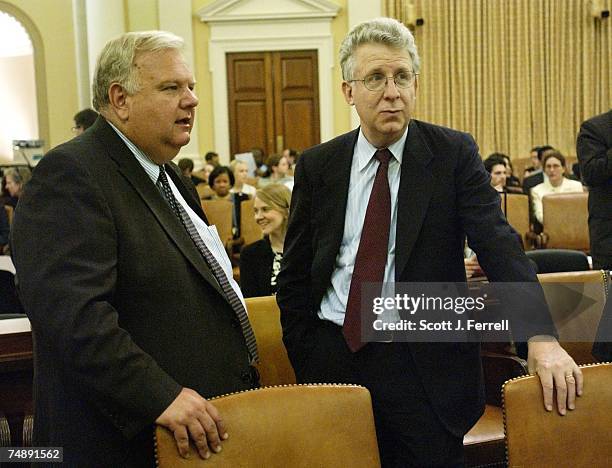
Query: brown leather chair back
576, 300
287, 426
9, 213
516, 209
274, 366
249, 229
219, 213
519, 165
536, 437
565, 222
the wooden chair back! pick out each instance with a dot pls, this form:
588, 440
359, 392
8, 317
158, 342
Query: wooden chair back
516, 209
576, 301
287, 426
536, 437
274, 366
9, 213
219, 213
249, 229
565, 221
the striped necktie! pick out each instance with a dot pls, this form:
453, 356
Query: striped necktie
210, 259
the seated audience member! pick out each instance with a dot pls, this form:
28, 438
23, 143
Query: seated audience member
241, 172
536, 164
83, 120
496, 166
277, 172
513, 184
212, 158
186, 166
259, 157
292, 158
554, 167
260, 261
537, 176
221, 180
15, 179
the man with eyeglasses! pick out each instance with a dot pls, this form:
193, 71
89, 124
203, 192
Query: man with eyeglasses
393, 201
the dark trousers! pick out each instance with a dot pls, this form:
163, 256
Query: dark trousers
409, 432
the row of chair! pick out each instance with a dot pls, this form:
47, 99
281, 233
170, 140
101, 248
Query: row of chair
565, 223
565, 220
289, 425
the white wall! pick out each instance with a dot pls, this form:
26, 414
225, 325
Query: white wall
18, 110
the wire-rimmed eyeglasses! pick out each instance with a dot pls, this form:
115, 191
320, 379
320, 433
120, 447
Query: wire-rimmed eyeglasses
378, 81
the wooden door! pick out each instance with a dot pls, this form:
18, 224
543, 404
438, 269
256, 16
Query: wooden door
273, 100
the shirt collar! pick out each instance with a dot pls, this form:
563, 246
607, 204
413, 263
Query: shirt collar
366, 150
149, 166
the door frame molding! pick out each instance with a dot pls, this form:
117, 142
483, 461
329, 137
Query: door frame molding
263, 34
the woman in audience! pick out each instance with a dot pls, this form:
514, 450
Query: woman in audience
554, 168
260, 261
277, 172
221, 180
241, 172
15, 179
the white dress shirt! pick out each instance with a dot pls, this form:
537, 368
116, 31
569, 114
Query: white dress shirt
363, 172
208, 233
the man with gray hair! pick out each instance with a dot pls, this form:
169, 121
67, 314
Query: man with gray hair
135, 315
393, 201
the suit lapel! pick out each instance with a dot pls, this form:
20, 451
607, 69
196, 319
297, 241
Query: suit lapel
336, 175
133, 172
415, 190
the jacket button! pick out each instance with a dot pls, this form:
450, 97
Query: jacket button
246, 377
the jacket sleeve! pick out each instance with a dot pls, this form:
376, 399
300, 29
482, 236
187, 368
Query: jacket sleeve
64, 244
498, 247
294, 295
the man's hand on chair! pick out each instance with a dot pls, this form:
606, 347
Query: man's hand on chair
190, 416
557, 370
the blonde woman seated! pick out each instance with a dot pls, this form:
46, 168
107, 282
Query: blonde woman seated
554, 168
260, 261
278, 166
241, 172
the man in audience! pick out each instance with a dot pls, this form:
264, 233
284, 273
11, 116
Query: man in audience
212, 158
135, 315
393, 201
496, 167
594, 149
83, 120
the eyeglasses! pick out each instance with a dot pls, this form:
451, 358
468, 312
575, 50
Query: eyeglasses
378, 81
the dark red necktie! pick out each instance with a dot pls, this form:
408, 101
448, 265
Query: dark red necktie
373, 250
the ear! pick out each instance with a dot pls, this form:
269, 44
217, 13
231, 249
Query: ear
347, 90
119, 101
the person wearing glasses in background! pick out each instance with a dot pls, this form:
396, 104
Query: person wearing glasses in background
393, 201
83, 120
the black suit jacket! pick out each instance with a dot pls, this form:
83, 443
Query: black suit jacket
124, 310
444, 194
256, 269
594, 149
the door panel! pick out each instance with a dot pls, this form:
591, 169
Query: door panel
273, 100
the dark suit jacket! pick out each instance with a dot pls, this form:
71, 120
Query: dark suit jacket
124, 310
444, 194
594, 149
256, 269
531, 181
